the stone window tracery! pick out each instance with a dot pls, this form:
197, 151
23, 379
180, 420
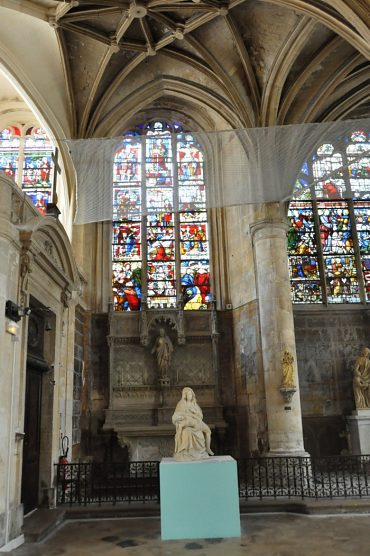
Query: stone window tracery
26, 156
329, 224
160, 246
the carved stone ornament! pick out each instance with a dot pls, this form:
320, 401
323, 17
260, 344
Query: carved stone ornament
65, 298
25, 267
287, 393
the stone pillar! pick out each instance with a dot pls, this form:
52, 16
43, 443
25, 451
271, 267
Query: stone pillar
283, 407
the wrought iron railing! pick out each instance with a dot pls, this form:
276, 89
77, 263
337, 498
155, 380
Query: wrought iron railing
329, 477
87, 483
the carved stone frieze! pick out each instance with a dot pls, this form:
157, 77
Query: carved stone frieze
199, 339
121, 341
142, 394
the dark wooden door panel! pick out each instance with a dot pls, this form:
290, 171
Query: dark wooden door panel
31, 445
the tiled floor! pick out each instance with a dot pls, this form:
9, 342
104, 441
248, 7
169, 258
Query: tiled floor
262, 535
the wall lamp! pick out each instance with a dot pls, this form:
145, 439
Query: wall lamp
14, 312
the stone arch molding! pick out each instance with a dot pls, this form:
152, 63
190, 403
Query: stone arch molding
45, 244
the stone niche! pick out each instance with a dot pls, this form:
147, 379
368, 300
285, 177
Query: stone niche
142, 397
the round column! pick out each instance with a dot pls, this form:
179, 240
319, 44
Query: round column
283, 407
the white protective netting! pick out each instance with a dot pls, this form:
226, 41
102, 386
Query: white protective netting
245, 166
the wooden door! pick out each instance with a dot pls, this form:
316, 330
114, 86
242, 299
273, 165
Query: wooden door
31, 444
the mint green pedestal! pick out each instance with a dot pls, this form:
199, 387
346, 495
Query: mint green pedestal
199, 499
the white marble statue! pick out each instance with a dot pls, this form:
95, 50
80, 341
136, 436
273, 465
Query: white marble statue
193, 436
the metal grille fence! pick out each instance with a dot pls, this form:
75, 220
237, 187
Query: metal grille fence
329, 477
87, 483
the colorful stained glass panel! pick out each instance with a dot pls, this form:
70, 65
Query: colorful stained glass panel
328, 176
159, 160
127, 286
37, 170
195, 284
359, 166
127, 164
127, 203
161, 250
362, 219
190, 161
9, 151
193, 216
194, 244
161, 284
301, 232
126, 241
335, 228
160, 243
40, 199
365, 263
306, 292
192, 198
159, 199
341, 279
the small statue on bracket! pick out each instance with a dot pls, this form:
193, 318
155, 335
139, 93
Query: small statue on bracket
288, 387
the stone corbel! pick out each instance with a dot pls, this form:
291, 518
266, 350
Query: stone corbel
287, 393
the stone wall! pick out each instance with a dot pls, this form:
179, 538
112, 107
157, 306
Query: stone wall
242, 383
328, 341
77, 380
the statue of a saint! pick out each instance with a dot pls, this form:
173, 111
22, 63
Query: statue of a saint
361, 380
193, 436
163, 349
288, 370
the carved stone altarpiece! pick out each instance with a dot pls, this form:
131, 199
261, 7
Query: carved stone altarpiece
146, 380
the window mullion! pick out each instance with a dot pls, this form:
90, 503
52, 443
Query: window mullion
176, 216
21, 158
144, 220
360, 276
320, 256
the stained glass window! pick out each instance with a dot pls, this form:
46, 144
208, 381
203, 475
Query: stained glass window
26, 156
160, 231
329, 224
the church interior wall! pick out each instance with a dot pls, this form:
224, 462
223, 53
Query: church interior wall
262, 66
328, 341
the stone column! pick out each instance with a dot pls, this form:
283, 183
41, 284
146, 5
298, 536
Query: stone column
284, 417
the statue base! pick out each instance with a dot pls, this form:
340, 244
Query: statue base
199, 499
359, 430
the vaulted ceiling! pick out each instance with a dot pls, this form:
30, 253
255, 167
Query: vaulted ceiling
235, 63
